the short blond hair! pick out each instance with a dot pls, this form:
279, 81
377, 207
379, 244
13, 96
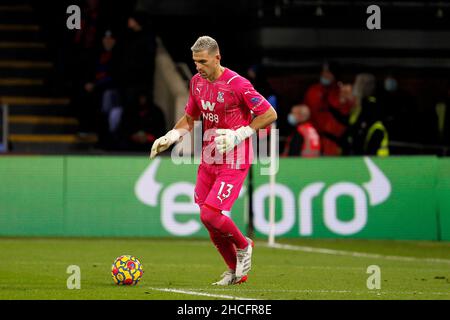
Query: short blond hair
205, 43
365, 84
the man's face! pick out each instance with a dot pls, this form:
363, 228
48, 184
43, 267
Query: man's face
108, 43
326, 76
205, 63
133, 24
301, 113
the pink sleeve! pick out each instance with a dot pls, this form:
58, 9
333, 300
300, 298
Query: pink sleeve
191, 106
250, 97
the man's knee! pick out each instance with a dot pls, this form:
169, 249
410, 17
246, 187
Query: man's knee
209, 214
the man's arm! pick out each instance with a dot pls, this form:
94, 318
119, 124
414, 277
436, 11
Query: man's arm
183, 126
263, 120
228, 139
186, 123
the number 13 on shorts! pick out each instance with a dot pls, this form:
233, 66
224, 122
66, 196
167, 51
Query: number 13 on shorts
223, 194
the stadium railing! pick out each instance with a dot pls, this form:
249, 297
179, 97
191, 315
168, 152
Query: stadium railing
170, 90
411, 148
3, 128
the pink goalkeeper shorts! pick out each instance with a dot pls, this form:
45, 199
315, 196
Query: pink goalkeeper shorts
218, 186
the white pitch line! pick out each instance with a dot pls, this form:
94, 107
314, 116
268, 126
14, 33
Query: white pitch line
354, 253
335, 291
280, 290
195, 293
360, 292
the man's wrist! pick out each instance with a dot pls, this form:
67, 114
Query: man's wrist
245, 132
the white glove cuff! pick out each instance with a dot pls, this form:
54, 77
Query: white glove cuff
173, 135
245, 132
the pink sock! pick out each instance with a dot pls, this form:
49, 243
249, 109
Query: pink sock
225, 247
224, 225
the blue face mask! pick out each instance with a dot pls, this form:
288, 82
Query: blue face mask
325, 81
390, 85
292, 120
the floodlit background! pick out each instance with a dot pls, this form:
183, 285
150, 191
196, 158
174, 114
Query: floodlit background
363, 104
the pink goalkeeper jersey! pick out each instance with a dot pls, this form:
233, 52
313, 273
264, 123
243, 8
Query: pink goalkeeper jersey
226, 103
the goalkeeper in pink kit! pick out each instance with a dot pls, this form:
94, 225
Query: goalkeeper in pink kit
226, 102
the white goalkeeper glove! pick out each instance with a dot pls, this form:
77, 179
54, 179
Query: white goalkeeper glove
163, 143
227, 139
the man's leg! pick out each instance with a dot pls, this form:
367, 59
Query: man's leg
222, 196
223, 233
220, 223
225, 247
205, 181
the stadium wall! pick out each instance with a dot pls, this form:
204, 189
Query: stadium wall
368, 198
443, 198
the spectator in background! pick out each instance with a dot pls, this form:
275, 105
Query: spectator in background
304, 140
86, 37
398, 109
99, 99
105, 84
258, 78
442, 109
322, 98
105, 67
81, 53
138, 59
142, 124
366, 134
85, 42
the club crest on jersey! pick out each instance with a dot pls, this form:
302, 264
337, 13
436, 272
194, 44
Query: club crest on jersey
220, 97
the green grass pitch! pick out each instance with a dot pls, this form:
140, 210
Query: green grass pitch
35, 268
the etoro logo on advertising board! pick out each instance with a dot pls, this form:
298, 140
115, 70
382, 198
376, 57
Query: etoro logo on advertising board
372, 193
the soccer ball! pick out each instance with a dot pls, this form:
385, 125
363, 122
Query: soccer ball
126, 270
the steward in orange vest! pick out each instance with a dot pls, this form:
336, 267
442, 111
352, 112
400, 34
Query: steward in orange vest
305, 140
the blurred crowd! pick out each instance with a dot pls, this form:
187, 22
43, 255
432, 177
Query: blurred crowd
111, 63
111, 68
336, 118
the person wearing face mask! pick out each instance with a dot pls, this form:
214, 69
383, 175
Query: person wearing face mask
399, 111
323, 98
390, 84
304, 140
